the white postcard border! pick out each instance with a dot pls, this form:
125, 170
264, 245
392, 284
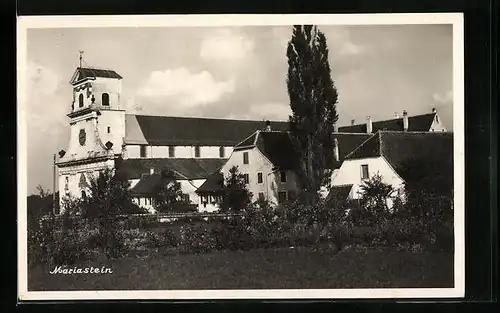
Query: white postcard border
458, 291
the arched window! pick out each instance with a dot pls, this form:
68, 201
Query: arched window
80, 100
105, 99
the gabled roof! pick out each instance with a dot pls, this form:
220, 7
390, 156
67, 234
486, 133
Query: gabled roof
214, 183
416, 123
184, 168
88, 72
277, 146
146, 185
169, 130
403, 148
347, 143
339, 194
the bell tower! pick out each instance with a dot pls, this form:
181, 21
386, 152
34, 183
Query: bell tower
97, 127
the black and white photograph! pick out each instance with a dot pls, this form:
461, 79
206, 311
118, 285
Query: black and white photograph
221, 157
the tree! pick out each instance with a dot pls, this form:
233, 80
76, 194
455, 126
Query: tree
108, 197
236, 195
168, 192
375, 194
313, 99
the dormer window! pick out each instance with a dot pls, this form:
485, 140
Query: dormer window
80, 100
105, 99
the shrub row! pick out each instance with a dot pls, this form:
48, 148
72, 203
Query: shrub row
258, 227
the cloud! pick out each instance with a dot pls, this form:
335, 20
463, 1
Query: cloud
44, 103
443, 98
349, 48
226, 44
46, 107
272, 111
185, 88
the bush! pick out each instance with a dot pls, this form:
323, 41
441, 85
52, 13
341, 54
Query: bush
68, 248
234, 234
197, 238
163, 239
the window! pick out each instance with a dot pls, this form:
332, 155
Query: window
105, 99
283, 177
221, 152
143, 151
171, 152
109, 130
80, 100
197, 152
245, 157
261, 196
281, 196
84, 195
364, 171
291, 195
246, 178
66, 183
185, 198
259, 178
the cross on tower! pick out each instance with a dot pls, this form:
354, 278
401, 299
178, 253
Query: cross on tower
81, 56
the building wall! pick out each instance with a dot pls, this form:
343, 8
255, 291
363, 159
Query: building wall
134, 151
73, 173
111, 86
276, 186
89, 124
210, 206
257, 163
437, 125
187, 186
145, 202
115, 120
100, 85
350, 173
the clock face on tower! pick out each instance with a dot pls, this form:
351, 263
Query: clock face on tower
82, 137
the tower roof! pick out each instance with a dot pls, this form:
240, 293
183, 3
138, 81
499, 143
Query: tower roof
82, 73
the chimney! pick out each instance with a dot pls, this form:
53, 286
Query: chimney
336, 149
368, 125
352, 122
405, 120
434, 110
268, 126
396, 115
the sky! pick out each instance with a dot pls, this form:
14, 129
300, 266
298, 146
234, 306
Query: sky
232, 72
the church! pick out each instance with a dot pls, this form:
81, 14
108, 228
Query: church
103, 135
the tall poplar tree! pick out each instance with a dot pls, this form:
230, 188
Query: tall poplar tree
313, 99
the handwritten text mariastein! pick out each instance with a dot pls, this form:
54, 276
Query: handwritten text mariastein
81, 270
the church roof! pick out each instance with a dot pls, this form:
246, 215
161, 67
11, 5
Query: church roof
88, 72
169, 130
433, 151
184, 168
416, 123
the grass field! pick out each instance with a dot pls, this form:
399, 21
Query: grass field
261, 269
